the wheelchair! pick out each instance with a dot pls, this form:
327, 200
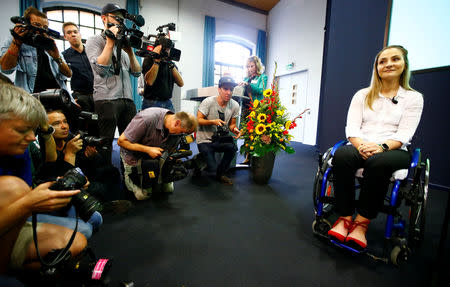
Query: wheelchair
401, 238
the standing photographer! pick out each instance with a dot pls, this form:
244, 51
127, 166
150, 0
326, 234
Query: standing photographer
38, 65
209, 141
160, 76
113, 97
20, 115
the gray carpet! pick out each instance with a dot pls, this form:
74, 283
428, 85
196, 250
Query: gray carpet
207, 234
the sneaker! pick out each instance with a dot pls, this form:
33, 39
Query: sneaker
225, 180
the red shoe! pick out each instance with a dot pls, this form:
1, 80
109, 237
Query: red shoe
358, 243
347, 225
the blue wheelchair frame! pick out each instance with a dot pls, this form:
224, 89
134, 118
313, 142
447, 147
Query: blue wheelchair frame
402, 249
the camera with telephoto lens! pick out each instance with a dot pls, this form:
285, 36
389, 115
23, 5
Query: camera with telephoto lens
91, 140
84, 203
36, 37
168, 50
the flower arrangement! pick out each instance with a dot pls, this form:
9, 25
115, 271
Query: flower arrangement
266, 128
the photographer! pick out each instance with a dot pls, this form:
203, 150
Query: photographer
113, 97
20, 115
38, 67
144, 138
208, 141
160, 76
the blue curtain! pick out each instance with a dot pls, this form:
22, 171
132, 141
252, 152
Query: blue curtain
133, 8
261, 46
208, 51
24, 4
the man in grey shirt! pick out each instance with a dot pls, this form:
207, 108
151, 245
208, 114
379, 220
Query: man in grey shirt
216, 112
113, 97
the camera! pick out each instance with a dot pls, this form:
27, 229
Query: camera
36, 36
128, 36
173, 164
174, 167
168, 50
84, 203
222, 133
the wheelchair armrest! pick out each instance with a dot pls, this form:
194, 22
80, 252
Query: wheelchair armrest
338, 145
415, 159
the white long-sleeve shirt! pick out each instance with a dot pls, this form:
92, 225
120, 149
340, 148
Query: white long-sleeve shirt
387, 121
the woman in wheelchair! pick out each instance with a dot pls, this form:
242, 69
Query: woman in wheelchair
381, 121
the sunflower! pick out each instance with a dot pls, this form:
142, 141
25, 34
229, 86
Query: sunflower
260, 129
262, 118
251, 115
255, 103
267, 93
280, 112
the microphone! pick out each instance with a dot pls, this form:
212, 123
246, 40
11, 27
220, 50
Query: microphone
137, 19
394, 101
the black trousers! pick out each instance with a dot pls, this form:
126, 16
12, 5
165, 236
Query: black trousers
111, 114
209, 150
378, 170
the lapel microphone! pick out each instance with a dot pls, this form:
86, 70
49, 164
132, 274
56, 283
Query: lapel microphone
394, 101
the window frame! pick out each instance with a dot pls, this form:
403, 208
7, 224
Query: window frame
222, 65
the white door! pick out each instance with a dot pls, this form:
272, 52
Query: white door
292, 90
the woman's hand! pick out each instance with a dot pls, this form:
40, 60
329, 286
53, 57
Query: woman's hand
368, 149
43, 199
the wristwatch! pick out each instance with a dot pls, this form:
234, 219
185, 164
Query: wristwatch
384, 146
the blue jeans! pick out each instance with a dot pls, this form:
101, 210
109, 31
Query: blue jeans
209, 150
85, 228
167, 104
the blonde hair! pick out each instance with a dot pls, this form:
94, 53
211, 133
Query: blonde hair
259, 66
375, 84
16, 102
188, 121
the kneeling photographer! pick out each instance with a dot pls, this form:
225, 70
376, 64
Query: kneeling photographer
217, 117
145, 138
63, 158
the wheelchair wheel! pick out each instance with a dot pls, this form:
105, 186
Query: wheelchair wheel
323, 166
416, 229
321, 226
399, 255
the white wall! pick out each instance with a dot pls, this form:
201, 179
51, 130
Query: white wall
296, 34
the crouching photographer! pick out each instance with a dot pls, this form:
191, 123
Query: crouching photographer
146, 136
20, 115
217, 117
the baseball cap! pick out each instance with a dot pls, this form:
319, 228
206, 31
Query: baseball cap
229, 81
110, 7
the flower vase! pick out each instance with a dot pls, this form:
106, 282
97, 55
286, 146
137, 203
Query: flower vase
261, 167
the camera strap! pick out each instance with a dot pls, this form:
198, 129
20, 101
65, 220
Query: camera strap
63, 253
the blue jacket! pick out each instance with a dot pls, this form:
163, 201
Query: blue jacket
27, 65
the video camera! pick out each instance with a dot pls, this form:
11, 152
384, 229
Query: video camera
37, 37
170, 166
168, 51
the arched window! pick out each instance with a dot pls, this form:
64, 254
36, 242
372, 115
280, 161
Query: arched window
88, 21
230, 57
